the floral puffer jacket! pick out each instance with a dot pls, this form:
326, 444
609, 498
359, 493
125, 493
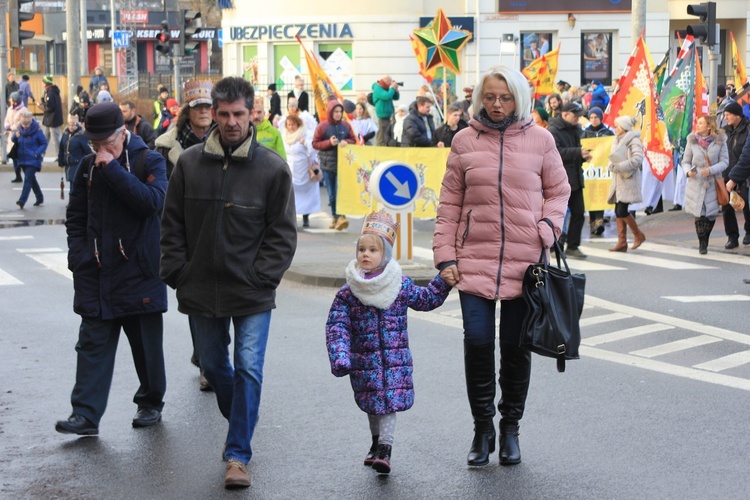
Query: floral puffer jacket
367, 339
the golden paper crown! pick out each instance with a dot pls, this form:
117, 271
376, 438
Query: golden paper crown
198, 92
382, 224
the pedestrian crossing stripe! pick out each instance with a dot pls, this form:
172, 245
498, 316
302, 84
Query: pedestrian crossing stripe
7, 279
641, 259
707, 298
16, 238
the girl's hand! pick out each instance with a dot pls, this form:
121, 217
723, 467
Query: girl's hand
450, 275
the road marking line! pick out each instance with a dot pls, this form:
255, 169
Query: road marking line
669, 320
7, 279
41, 250
708, 298
602, 318
666, 368
57, 262
643, 259
585, 265
626, 334
676, 346
438, 319
726, 362
14, 238
730, 258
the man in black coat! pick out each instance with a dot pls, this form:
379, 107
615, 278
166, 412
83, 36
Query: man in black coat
10, 86
303, 98
137, 124
737, 134
275, 109
567, 133
113, 227
419, 129
53, 112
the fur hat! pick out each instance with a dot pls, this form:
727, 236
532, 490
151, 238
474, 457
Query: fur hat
381, 224
625, 122
732, 108
102, 120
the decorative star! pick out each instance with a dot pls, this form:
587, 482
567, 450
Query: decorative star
443, 43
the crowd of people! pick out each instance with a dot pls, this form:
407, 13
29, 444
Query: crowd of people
204, 199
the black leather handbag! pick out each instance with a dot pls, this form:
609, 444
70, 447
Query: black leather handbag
554, 297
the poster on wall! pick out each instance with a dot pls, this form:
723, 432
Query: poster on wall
596, 57
534, 46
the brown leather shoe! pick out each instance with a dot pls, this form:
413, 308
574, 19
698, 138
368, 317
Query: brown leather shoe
332, 225
204, 385
341, 223
237, 476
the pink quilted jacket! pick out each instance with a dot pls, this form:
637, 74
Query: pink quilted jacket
496, 189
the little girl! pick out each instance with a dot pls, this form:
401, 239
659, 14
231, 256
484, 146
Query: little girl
366, 332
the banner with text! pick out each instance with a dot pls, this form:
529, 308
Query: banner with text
597, 177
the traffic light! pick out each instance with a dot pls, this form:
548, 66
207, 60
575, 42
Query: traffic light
706, 30
162, 39
191, 26
18, 16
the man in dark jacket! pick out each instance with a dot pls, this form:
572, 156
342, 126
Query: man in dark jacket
73, 147
737, 133
329, 135
53, 112
419, 128
567, 133
113, 251
275, 109
228, 234
136, 124
10, 86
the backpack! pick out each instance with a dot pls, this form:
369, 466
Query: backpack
370, 99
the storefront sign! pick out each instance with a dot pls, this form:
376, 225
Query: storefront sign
134, 16
290, 31
564, 6
95, 34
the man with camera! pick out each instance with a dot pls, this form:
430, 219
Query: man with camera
384, 92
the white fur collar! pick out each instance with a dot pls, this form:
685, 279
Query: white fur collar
380, 291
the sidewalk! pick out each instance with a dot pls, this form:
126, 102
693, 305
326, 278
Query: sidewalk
323, 254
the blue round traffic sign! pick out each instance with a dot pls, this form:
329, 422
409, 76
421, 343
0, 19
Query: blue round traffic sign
395, 184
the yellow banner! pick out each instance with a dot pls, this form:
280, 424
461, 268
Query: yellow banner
597, 177
356, 164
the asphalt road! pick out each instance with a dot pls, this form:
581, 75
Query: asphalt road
609, 427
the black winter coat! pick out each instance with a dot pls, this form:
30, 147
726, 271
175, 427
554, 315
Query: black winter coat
52, 105
113, 236
143, 129
415, 130
568, 142
445, 135
736, 138
229, 228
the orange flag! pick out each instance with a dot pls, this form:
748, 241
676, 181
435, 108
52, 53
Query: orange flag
701, 91
323, 88
541, 72
740, 75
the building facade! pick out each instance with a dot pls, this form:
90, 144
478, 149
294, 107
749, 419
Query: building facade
366, 40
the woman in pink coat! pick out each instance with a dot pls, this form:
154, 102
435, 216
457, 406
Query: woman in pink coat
504, 174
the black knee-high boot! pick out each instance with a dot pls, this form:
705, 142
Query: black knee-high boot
479, 363
515, 373
703, 228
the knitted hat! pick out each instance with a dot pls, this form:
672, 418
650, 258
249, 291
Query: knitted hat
198, 92
732, 108
104, 96
596, 111
102, 120
381, 224
542, 113
171, 102
16, 97
47, 79
625, 122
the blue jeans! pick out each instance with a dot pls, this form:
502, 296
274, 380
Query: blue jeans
237, 389
330, 179
29, 183
479, 319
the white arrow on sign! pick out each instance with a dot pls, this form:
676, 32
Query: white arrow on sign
402, 188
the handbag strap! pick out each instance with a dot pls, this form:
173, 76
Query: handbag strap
558, 249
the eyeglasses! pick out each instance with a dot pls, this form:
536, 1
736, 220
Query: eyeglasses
490, 99
98, 144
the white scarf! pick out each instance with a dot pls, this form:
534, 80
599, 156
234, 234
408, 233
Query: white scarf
380, 291
291, 137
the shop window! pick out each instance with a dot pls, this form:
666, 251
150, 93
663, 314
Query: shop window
596, 57
286, 64
534, 46
336, 60
250, 63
